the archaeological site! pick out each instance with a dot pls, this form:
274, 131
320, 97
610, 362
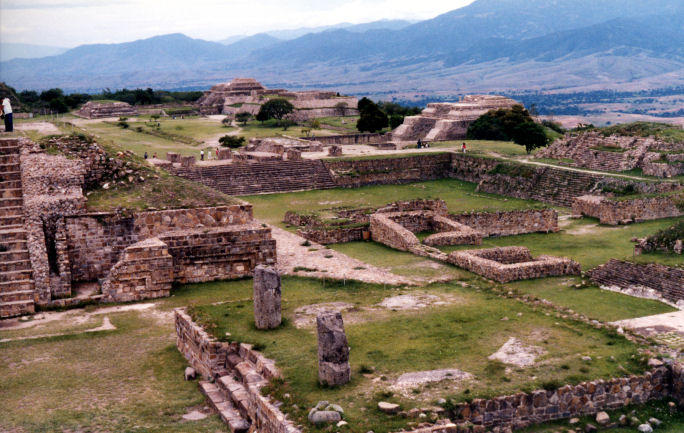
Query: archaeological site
185, 267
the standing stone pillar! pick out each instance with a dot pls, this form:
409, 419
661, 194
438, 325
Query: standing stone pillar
333, 349
266, 297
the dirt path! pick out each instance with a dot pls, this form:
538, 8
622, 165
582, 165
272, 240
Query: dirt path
328, 263
44, 128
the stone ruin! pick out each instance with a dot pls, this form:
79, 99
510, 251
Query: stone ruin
508, 264
100, 110
63, 255
613, 211
267, 296
247, 95
618, 153
333, 349
449, 120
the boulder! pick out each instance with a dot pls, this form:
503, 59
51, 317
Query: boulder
389, 408
267, 298
333, 349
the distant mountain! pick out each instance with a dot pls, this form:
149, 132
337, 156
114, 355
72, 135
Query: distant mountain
27, 51
286, 35
489, 45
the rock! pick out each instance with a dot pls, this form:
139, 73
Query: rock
441, 402
324, 417
333, 349
634, 421
623, 420
654, 422
267, 297
336, 408
574, 421
190, 373
672, 406
590, 428
389, 408
321, 405
645, 428
654, 362
195, 415
586, 358
602, 418
341, 424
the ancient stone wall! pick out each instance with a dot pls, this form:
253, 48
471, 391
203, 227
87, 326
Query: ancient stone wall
351, 139
360, 172
510, 223
388, 232
203, 352
145, 271
470, 168
98, 110
239, 373
512, 263
327, 236
95, 241
219, 253
614, 212
586, 398
651, 281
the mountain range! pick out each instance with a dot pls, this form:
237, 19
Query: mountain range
490, 45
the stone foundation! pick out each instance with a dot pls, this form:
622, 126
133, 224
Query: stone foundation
651, 281
614, 212
508, 264
349, 139
510, 223
98, 110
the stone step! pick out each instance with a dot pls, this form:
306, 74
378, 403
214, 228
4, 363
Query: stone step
14, 245
9, 184
14, 265
14, 255
227, 411
10, 211
11, 220
9, 150
237, 393
9, 158
16, 308
16, 285
10, 167
11, 193
18, 295
11, 202
14, 276
12, 233
11, 175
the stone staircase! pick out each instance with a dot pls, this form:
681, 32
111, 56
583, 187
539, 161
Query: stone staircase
16, 276
262, 177
560, 187
235, 391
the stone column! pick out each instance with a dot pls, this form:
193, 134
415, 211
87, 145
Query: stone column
266, 297
333, 349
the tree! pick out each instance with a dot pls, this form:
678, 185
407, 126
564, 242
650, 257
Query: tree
232, 141
509, 124
395, 120
341, 108
372, 118
59, 105
275, 109
49, 95
243, 117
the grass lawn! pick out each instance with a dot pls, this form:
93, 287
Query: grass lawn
484, 147
460, 334
459, 196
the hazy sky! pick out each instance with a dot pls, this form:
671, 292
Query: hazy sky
68, 23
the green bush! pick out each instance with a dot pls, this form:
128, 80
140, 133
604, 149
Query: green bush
509, 124
231, 141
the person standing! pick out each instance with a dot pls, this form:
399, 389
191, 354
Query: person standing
202, 155
7, 115
464, 147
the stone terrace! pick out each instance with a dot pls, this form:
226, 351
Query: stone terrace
508, 264
99, 110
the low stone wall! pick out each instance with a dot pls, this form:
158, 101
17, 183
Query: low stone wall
587, 398
327, 236
614, 212
388, 232
510, 223
351, 139
471, 168
219, 253
239, 374
662, 169
360, 172
512, 263
144, 272
204, 353
651, 281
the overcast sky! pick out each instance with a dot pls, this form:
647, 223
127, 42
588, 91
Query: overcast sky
68, 23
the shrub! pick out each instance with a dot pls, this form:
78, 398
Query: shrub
509, 124
123, 125
232, 141
242, 117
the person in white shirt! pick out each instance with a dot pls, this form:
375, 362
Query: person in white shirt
7, 114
